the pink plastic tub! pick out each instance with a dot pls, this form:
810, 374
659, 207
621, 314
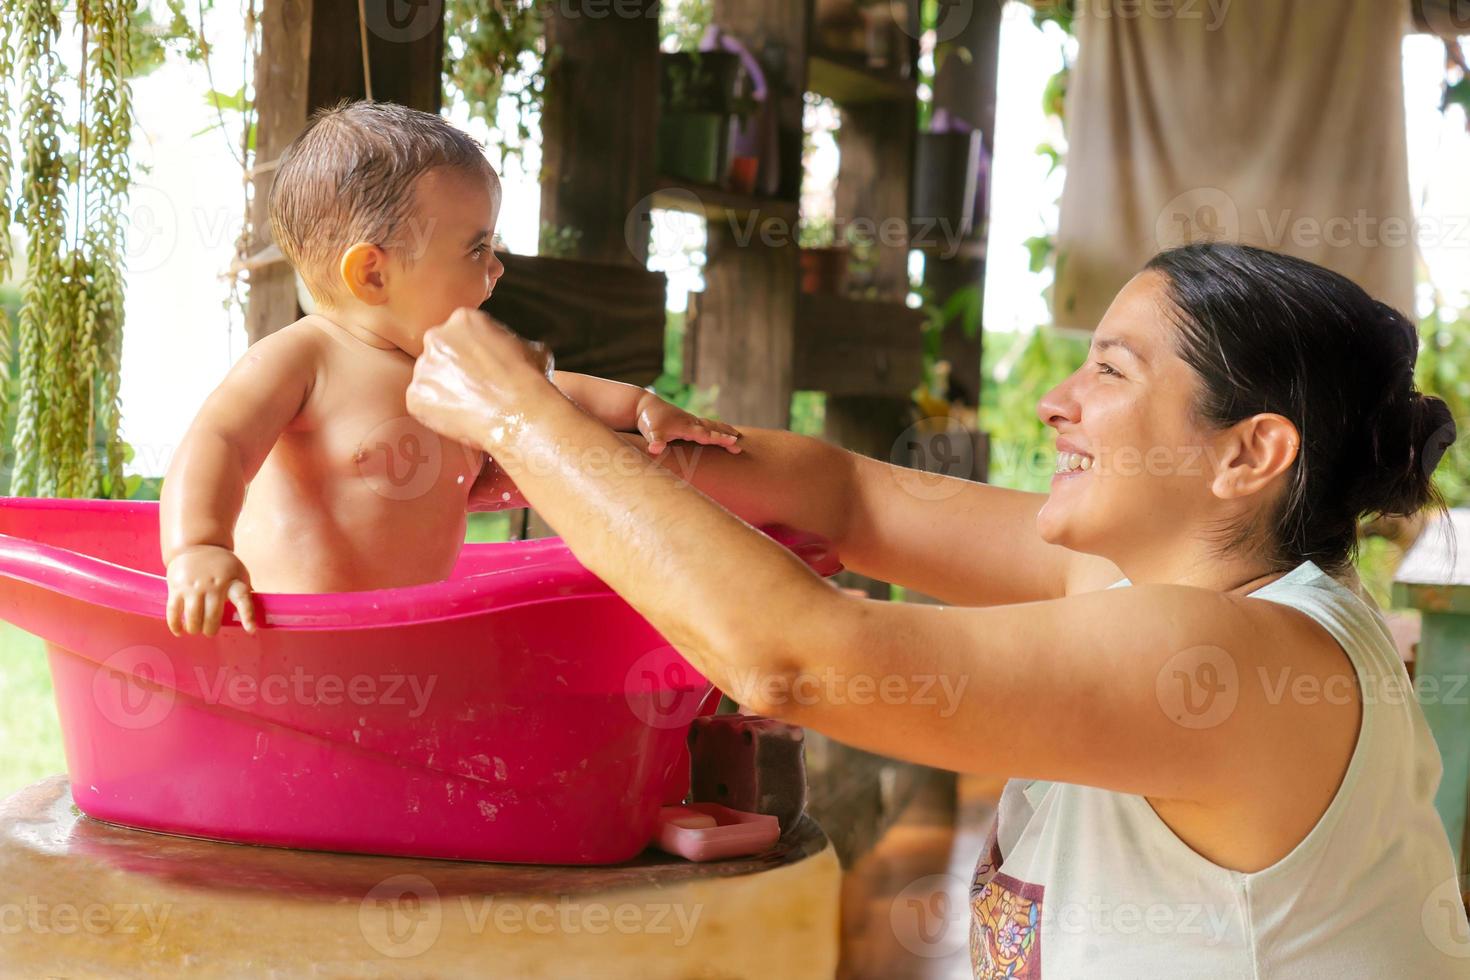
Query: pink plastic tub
518, 711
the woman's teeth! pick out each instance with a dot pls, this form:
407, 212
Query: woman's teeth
1071, 462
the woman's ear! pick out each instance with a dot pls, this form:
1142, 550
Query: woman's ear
1254, 452
364, 271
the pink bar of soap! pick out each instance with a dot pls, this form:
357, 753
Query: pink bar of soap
693, 823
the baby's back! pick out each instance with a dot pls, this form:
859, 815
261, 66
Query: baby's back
355, 494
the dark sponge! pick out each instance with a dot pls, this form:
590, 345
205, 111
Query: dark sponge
749, 763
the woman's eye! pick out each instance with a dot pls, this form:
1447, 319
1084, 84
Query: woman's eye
1104, 368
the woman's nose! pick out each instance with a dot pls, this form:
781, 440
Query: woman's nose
1058, 405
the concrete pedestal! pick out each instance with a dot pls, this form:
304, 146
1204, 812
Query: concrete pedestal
80, 898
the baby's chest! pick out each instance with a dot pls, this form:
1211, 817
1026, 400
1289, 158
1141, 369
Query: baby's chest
392, 455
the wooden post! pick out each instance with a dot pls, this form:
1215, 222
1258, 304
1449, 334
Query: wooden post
747, 313
746, 321
311, 57
875, 172
876, 141
965, 87
280, 104
599, 128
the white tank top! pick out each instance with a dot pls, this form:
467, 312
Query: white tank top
1079, 883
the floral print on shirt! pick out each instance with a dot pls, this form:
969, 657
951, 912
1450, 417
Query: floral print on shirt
1005, 921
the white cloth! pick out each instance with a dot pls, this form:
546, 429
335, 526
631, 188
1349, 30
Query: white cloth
1277, 123
1079, 882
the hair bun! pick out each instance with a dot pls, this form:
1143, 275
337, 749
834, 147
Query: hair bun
1405, 488
1433, 430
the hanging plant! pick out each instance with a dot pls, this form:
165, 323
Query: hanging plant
75, 177
491, 42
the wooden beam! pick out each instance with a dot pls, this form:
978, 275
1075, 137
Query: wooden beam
857, 348
597, 318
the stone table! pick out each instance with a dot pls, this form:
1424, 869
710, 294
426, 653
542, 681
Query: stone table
82, 898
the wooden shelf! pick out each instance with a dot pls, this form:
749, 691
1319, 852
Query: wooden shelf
718, 203
846, 79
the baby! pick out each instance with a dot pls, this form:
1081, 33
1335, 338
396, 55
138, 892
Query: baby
304, 466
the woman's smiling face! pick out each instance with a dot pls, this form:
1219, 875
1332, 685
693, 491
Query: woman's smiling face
1145, 464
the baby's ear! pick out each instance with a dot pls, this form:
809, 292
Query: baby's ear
364, 272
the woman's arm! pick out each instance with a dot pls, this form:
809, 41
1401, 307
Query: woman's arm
976, 546
1157, 690
956, 540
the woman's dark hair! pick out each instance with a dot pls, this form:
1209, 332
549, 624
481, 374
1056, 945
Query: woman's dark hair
1267, 332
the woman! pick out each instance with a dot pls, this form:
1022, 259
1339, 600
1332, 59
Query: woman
1210, 775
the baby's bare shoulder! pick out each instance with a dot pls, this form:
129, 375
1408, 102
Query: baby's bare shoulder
293, 349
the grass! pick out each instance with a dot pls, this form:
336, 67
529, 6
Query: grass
30, 736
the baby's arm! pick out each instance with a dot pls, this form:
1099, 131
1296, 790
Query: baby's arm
628, 408
205, 486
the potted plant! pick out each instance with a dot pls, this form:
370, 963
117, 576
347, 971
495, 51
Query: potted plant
698, 94
947, 168
823, 258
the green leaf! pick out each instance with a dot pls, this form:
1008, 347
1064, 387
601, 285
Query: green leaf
1052, 154
1457, 94
226, 102
1040, 247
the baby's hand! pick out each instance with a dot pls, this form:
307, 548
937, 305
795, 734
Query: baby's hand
201, 580
661, 423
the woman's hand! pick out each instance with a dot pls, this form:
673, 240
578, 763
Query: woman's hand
473, 376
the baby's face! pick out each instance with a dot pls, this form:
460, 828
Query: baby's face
451, 261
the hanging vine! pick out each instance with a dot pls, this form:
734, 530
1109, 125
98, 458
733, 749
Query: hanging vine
66, 439
491, 42
7, 165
